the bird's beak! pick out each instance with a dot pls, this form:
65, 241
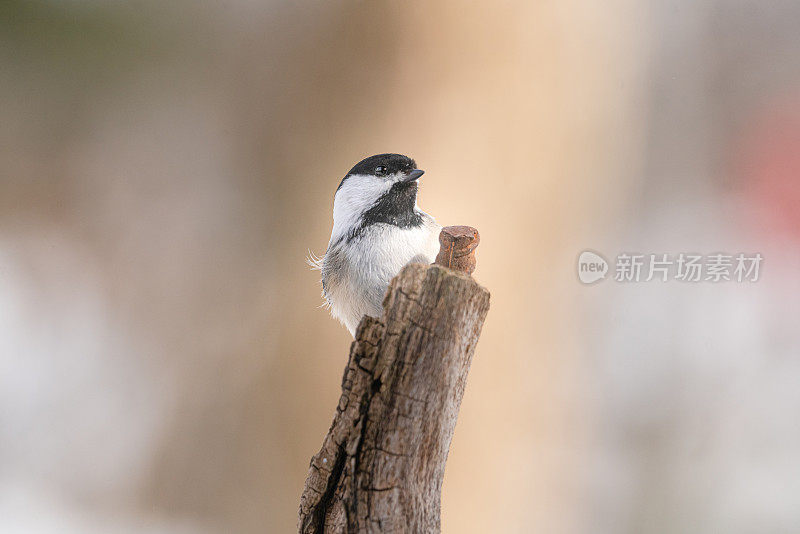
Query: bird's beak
413, 175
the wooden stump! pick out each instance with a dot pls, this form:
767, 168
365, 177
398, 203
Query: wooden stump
381, 465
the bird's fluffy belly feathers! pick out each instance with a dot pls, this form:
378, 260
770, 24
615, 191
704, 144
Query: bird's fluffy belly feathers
355, 277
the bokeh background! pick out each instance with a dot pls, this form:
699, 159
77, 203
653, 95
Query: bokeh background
167, 166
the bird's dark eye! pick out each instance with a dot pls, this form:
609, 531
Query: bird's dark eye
380, 170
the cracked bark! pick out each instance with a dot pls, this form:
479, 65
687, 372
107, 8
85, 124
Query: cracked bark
381, 465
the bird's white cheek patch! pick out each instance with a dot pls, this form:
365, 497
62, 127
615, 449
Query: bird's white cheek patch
357, 195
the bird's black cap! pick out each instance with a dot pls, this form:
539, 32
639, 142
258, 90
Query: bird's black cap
382, 165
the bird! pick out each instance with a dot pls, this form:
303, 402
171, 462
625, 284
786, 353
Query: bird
377, 229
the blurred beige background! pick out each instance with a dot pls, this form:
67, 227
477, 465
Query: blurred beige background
166, 167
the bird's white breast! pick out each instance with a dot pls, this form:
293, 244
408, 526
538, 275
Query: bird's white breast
361, 270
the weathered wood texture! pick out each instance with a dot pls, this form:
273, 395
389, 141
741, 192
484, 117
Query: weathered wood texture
381, 465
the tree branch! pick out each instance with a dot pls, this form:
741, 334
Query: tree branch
381, 465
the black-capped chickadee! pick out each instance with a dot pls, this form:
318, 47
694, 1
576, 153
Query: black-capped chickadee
377, 229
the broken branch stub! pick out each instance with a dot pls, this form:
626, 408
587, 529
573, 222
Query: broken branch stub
457, 246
